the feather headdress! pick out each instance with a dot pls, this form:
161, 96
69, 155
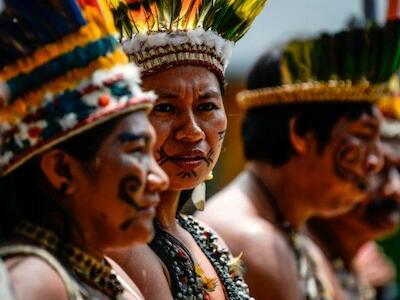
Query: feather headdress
352, 65
163, 33
63, 72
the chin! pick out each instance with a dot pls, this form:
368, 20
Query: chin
179, 184
140, 235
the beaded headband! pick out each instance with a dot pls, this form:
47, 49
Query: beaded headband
161, 34
64, 74
352, 65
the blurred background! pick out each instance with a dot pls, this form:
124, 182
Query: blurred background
283, 20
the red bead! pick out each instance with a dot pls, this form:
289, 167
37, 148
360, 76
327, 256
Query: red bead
34, 132
104, 100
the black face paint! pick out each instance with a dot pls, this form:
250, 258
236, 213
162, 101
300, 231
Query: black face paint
208, 159
126, 224
128, 186
185, 174
163, 156
347, 156
221, 135
126, 137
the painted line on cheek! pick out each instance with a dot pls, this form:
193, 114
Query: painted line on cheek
209, 161
128, 186
184, 174
221, 135
125, 225
164, 157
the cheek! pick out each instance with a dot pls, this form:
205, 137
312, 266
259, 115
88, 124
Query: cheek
349, 155
163, 127
215, 129
124, 179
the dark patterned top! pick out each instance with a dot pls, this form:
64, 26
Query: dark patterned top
185, 283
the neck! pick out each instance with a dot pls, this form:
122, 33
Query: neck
337, 240
166, 211
290, 197
31, 231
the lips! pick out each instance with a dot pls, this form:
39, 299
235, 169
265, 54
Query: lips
188, 160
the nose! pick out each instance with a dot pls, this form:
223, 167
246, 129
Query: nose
189, 130
391, 187
157, 179
374, 160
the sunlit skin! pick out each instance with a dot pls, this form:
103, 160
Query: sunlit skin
100, 219
108, 219
311, 183
189, 119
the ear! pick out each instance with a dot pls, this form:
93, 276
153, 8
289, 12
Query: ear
301, 144
59, 168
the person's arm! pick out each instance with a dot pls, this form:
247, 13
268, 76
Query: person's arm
33, 279
145, 269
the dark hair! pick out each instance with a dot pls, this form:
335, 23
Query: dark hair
21, 193
265, 130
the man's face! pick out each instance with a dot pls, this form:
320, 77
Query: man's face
190, 123
380, 215
342, 172
117, 193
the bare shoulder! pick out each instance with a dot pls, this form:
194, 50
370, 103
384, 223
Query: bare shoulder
270, 262
146, 271
226, 207
131, 290
33, 279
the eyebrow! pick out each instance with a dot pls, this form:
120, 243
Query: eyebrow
167, 94
209, 94
127, 137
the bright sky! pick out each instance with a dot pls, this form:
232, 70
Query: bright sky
285, 19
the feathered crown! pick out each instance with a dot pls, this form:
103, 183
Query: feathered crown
64, 73
163, 33
390, 108
352, 65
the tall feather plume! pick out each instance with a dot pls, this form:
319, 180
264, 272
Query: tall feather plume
229, 18
371, 54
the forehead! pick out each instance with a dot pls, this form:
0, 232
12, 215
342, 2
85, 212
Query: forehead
367, 120
134, 122
181, 77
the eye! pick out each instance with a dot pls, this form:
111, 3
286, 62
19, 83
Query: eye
209, 106
137, 149
164, 108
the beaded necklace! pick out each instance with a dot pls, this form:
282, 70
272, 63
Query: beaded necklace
94, 272
350, 283
186, 280
311, 284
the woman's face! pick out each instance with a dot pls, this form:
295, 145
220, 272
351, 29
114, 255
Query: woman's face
115, 195
190, 123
